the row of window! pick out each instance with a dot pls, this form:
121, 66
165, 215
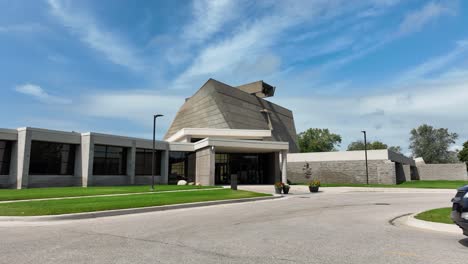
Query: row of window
48, 158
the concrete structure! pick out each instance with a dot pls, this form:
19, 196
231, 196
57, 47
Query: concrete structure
220, 106
455, 171
219, 132
385, 167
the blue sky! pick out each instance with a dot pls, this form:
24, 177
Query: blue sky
385, 66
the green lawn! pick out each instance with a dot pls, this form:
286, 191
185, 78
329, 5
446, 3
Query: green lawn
57, 192
91, 204
441, 215
411, 184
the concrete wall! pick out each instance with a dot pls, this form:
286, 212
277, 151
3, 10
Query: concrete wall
205, 166
456, 171
380, 171
356, 155
53, 180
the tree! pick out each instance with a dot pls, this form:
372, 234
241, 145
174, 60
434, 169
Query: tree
359, 145
463, 154
318, 140
432, 144
396, 149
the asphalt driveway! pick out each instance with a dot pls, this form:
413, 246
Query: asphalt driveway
334, 226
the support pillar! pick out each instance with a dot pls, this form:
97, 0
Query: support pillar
23, 156
131, 157
284, 166
87, 159
165, 167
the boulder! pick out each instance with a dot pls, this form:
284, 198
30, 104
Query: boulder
182, 182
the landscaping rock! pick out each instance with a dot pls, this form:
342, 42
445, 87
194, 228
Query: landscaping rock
182, 182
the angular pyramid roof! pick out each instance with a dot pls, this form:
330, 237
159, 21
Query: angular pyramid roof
218, 105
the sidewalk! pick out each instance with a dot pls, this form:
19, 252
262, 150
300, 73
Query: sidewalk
303, 189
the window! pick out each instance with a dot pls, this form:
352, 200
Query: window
109, 160
48, 158
177, 166
143, 162
5, 156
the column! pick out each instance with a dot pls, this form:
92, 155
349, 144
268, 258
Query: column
131, 157
23, 156
284, 166
87, 159
205, 166
165, 166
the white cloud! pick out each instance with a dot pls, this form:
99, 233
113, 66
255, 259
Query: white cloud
389, 115
415, 20
135, 106
40, 94
253, 38
114, 48
439, 63
209, 16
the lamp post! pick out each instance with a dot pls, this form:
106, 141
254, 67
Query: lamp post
154, 150
365, 151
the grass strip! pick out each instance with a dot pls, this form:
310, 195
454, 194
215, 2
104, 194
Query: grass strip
59, 192
440, 215
411, 184
92, 204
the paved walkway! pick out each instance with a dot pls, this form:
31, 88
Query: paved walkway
303, 189
328, 227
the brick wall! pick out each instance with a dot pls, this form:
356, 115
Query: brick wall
380, 171
456, 171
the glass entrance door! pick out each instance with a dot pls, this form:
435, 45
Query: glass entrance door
249, 168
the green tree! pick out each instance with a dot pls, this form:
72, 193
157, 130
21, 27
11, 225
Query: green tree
396, 149
359, 145
318, 140
463, 154
432, 144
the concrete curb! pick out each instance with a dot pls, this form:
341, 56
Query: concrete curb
98, 214
411, 221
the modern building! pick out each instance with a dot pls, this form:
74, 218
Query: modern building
220, 131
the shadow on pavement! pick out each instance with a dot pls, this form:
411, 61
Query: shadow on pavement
464, 242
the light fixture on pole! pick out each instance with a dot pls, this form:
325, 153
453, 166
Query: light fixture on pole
154, 150
365, 151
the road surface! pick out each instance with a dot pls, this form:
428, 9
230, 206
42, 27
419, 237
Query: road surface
328, 227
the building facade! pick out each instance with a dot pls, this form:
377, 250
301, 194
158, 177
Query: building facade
219, 133
207, 143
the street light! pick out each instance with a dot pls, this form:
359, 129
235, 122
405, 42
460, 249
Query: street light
154, 150
365, 151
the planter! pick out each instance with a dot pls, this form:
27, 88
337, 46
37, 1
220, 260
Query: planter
278, 190
314, 188
285, 190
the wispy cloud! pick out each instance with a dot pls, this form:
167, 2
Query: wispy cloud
209, 17
439, 63
40, 94
113, 47
391, 112
132, 105
415, 20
